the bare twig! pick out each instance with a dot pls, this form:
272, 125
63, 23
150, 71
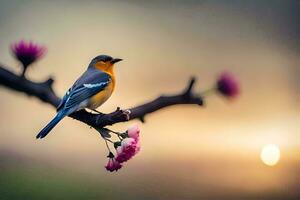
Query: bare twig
45, 93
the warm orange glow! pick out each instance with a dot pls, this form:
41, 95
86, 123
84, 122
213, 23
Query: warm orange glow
270, 154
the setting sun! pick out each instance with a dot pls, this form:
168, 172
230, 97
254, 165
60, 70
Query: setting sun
270, 154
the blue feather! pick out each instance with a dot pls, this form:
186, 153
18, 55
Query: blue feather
89, 84
60, 115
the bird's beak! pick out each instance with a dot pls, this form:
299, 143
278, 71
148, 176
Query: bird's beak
115, 60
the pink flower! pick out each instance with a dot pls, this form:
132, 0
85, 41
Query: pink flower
113, 165
134, 132
129, 147
227, 85
27, 52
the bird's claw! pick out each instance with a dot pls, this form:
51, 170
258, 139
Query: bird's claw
127, 114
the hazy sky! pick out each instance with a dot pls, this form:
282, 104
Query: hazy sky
163, 44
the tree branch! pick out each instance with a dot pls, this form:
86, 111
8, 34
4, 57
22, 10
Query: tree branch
42, 90
45, 93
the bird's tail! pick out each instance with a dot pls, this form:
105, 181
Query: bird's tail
60, 115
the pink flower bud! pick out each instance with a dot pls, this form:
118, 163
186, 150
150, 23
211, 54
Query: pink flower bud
113, 165
129, 147
134, 132
27, 52
227, 85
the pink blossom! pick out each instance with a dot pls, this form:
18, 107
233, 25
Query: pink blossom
129, 147
113, 165
227, 85
134, 132
27, 52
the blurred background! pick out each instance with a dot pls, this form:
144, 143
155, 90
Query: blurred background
188, 152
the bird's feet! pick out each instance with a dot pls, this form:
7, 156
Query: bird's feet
127, 114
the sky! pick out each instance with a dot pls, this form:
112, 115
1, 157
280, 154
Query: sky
187, 151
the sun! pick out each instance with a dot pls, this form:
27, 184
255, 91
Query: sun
270, 154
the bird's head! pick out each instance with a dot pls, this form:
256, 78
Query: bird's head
104, 63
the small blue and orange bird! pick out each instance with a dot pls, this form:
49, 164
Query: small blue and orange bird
90, 90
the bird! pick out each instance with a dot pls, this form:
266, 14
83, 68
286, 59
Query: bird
90, 90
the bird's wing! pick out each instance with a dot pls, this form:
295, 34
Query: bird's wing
89, 84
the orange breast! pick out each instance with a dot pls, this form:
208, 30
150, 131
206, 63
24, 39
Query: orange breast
98, 99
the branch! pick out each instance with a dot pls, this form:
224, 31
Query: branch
186, 97
45, 93
42, 90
